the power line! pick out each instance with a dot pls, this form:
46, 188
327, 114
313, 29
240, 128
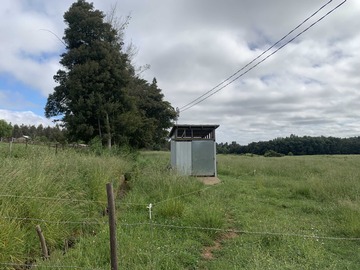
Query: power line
208, 94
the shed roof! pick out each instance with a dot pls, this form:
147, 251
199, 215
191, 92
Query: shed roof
191, 131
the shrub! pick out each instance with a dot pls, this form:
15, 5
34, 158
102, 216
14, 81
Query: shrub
272, 153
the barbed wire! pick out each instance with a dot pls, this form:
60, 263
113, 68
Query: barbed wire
239, 231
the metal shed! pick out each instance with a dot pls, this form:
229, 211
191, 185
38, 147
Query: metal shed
193, 149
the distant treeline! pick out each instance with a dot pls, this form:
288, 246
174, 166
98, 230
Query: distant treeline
295, 145
40, 133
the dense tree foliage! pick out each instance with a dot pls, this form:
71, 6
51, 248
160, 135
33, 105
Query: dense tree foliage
295, 145
98, 93
153, 113
5, 129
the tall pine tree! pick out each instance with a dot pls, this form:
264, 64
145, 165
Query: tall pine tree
98, 93
91, 88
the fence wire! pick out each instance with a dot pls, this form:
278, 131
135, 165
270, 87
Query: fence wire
84, 222
49, 198
187, 194
239, 231
30, 265
64, 199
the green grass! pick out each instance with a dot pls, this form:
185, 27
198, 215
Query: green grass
312, 195
76, 184
275, 204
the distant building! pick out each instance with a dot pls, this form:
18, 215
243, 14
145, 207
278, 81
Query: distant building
193, 149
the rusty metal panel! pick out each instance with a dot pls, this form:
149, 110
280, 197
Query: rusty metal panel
203, 158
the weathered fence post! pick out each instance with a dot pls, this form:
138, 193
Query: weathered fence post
10, 146
42, 242
112, 226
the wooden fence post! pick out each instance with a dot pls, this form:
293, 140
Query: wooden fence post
42, 242
10, 146
112, 226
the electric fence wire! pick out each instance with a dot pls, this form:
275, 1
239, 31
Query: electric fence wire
84, 222
30, 265
214, 90
240, 231
187, 194
61, 199
49, 198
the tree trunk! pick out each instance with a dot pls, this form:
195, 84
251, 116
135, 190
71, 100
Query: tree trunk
108, 130
99, 126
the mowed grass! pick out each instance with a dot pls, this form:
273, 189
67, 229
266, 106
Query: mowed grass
288, 213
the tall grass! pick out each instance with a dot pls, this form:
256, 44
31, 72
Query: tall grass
66, 189
281, 207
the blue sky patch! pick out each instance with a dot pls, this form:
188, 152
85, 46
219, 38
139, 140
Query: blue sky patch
17, 96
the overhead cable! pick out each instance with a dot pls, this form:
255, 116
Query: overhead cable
226, 82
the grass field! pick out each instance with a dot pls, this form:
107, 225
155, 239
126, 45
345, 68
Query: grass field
298, 212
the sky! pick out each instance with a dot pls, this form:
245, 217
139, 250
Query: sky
309, 87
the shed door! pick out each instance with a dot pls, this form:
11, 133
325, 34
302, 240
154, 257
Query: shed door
203, 158
183, 157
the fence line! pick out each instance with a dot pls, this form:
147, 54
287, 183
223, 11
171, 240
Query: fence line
187, 194
86, 222
49, 198
104, 202
239, 231
47, 266
63, 199
94, 221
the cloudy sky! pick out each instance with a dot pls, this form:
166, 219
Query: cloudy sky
310, 87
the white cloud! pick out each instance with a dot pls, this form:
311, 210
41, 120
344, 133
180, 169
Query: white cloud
24, 117
24, 45
310, 87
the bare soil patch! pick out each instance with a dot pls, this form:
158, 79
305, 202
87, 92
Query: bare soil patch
211, 180
207, 253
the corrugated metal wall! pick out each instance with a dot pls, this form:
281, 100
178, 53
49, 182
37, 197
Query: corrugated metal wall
203, 158
194, 157
182, 155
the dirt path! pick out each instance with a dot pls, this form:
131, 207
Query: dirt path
210, 180
207, 253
